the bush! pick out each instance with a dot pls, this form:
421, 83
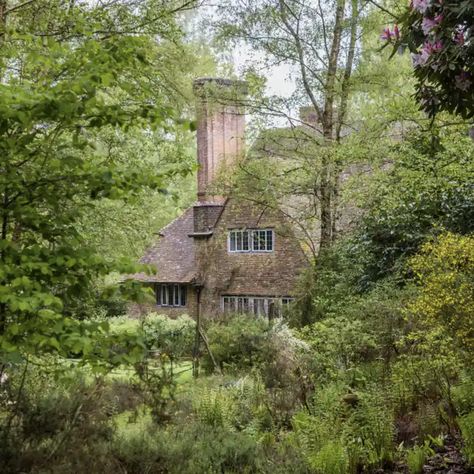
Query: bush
338, 345
237, 343
369, 431
174, 337
466, 423
216, 408
416, 458
137, 446
57, 422
331, 459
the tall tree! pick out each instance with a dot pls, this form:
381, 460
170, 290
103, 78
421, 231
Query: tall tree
319, 40
71, 71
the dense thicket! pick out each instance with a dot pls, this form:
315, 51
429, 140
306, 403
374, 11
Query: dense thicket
370, 370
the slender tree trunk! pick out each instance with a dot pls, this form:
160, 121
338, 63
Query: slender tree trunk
342, 112
328, 129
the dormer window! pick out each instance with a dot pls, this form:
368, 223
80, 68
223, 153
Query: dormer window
252, 240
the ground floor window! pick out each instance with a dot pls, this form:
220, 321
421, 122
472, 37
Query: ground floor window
264, 306
170, 294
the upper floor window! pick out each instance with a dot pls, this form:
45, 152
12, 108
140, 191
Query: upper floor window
252, 240
170, 295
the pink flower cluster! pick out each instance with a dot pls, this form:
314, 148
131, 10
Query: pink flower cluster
429, 24
427, 50
420, 5
388, 35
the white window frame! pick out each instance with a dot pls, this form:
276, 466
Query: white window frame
171, 295
237, 233
250, 239
256, 305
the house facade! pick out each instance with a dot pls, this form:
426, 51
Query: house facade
224, 254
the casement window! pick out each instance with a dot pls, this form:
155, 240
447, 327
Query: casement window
239, 241
262, 306
252, 240
170, 295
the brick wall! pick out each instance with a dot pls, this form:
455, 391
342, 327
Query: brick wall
266, 274
139, 310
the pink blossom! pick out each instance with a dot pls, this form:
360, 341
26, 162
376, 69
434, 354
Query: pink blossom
396, 32
420, 59
387, 34
431, 48
427, 50
421, 5
437, 46
463, 81
428, 24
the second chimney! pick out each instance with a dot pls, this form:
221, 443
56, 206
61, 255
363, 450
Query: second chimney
220, 130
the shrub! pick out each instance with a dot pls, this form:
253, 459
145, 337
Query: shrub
463, 395
444, 270
174, 337
216, 408
369, 431
237, 343
40, 425
416, 458
466, 423
137, 446
331, 459
338, 345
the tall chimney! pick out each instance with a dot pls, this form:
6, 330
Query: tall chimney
220, 129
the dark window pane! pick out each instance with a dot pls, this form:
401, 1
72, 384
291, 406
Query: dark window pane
269, 240
232, 241
245, 240
255, 240
158, 294
183, 294
176, 295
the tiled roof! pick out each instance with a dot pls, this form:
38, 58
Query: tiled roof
172, 253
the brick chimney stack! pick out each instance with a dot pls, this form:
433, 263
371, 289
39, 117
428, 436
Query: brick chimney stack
220, 130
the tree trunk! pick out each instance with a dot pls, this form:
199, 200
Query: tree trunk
328, 130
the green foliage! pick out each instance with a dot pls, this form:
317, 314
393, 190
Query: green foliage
338, 346
41, 419
369, 431
216, 408
173, 337
331, 459
346, 434
444, 271
424, 192
76, 80
463, 394
428, 371
416, 458
466, 423
238, 342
